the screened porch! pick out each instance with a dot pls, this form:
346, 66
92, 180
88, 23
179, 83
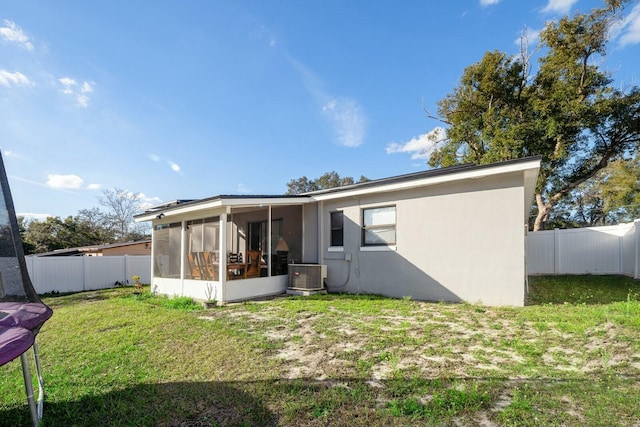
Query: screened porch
227, 254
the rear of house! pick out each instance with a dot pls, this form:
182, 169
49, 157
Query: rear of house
452, 234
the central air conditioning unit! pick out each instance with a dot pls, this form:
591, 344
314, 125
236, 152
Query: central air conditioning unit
307, 277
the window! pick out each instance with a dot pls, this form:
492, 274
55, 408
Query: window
379, 226
337, 229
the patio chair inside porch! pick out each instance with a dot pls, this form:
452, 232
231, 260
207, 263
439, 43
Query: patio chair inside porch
254, 264
236, 268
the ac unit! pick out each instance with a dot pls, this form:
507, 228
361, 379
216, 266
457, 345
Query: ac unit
307, 276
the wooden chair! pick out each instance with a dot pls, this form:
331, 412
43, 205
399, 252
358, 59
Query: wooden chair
209, 263
236, 268
254, 261
194, 266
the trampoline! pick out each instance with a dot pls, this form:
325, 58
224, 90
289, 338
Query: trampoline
22, 314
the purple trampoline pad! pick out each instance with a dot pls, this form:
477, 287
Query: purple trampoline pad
14, 342
28, 315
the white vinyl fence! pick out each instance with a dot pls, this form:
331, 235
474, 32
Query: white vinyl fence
83, 273
597, 250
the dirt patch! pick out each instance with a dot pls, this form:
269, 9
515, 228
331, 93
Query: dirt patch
431, 341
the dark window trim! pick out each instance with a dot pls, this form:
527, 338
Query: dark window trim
332, 229
378, 226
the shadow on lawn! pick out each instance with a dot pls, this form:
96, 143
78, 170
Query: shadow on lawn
346, 401
182, 404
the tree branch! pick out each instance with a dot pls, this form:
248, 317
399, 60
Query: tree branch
429, 115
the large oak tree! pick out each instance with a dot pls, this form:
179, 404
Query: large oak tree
568, 110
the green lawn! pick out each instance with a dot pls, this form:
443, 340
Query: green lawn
570, 357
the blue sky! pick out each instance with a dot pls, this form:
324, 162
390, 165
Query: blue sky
198, 98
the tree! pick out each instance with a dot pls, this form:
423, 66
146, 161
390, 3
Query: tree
90, 227
28, 247
328, 180
620, 189
568, 112
43, 236
56, 233
120, 206
611, 197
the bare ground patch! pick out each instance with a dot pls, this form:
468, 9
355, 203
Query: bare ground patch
337, 345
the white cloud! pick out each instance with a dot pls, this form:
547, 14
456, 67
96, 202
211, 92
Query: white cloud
627, 31
64, 181
86, 87
153, 157
13, 34
9, 79
94, 186
559, 6
68, 82
76, 90
345, 115
529, 35
146, 202
82, 101
242, 189
347, 120
484, 3
420, 147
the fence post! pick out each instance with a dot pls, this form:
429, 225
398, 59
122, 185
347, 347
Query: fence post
621, 250
636, 238
84, 273
556, 251
126, 269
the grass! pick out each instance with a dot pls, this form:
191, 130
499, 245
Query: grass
570, 357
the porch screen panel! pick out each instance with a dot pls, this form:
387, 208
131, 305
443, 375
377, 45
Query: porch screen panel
203, 248
211, 235
166, 250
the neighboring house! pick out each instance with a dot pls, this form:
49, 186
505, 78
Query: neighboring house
452, 234
142, 247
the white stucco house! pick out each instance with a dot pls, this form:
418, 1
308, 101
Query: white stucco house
451, 234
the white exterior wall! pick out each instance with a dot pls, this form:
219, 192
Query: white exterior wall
460, 241
310, 230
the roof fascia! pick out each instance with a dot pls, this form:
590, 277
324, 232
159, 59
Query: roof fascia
474, 173
222, 202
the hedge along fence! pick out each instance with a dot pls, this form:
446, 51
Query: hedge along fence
595, 250
84, 273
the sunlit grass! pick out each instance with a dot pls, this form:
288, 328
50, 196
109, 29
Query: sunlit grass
116, 358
